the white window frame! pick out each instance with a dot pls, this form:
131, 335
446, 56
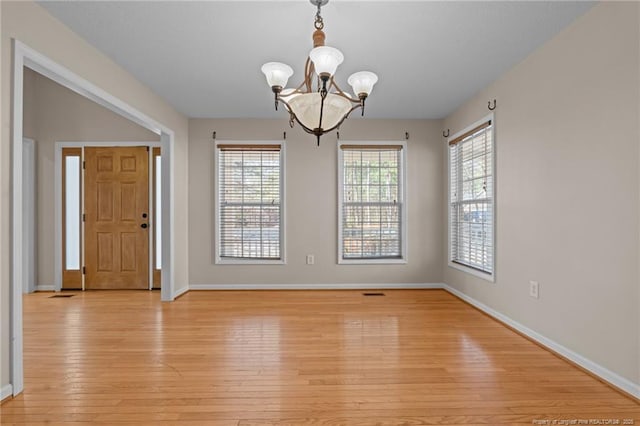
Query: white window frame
245, 261
403, 212
491, 277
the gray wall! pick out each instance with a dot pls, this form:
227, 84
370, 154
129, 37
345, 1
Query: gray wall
567, 141
311, 203
53, 113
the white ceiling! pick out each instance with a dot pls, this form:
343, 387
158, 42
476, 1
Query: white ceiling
204, 57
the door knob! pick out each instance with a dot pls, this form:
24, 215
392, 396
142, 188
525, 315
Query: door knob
144, 226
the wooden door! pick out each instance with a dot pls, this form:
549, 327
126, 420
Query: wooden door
116, 221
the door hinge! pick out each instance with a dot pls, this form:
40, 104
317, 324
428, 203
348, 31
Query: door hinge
84, 165
147, 149
84, 270
84, 217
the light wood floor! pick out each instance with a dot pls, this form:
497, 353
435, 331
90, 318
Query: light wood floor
291, 358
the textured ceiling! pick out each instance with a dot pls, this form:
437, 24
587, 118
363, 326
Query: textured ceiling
204, 58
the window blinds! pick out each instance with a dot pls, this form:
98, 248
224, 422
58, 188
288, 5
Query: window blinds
471, 198
371, 202
249, 179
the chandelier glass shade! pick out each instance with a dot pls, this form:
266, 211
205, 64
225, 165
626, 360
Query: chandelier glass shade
321, 107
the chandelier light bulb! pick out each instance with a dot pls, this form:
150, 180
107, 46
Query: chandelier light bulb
362, 82
277, 74
326, 60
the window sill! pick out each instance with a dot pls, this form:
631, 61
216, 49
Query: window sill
476, 273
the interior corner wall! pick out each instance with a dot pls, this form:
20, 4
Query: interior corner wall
311, 207
4, 263
638, 211
53, 113
567, 147
29, 23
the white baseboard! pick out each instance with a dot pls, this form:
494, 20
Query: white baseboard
600, 371
180, 292
350, 286
5, 392
45, 287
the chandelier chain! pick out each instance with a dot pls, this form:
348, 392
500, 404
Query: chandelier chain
319, 23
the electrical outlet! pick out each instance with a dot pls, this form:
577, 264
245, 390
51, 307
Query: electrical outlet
534, 289
310, 259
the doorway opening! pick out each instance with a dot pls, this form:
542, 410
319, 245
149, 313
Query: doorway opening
110, 206
25, 57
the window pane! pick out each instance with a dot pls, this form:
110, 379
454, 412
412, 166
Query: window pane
249, 185
471, 208
72, 213
371, 205
158, 211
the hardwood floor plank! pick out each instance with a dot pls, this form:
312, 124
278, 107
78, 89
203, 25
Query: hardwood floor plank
411, 357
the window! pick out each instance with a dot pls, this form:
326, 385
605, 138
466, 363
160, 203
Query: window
371, 209
471, 200
249, 202
157, 215
71, 217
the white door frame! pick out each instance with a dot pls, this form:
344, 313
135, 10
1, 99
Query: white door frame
23, 56
58, 203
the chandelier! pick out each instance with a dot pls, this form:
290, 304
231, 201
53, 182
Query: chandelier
322, 108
